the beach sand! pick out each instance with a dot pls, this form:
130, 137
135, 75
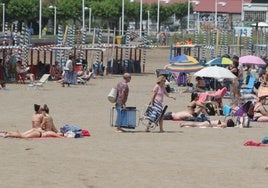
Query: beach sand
180, 157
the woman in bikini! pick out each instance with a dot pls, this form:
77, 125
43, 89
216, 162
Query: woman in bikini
37, 117
215, 123
46, 129
260, 112
194, 108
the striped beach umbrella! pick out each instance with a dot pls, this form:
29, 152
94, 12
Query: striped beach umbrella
220, 61
183, 59
191, 67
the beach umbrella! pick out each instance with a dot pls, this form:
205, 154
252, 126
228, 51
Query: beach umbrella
183, 59
215, 72
251, 60
260, 24
220, 61
184, 67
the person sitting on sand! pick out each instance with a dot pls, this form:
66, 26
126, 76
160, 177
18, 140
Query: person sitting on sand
47, 123
23, 71
200, 85
215, 123
37, 117
260, 112
46, 129
194, 108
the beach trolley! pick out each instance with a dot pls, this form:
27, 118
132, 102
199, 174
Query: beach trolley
129, 122
150, 117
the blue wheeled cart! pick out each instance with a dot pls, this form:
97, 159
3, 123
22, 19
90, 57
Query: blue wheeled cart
129, 120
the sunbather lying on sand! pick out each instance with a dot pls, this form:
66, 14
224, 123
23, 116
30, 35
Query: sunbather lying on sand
215, 123
194, 108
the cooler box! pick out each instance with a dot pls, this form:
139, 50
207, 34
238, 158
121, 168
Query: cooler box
129, 120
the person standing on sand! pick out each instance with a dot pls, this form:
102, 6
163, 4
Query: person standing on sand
122, 95
157, 99
69, 73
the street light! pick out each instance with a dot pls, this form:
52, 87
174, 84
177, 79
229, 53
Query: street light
140, 18
123, 14
198, 21
3, 26
40, 19
148, 19
158, 12
89, 18
83, 14
188, 16
55, 17
222, 3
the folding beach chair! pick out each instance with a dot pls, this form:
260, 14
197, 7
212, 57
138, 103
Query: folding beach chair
250, 86
41, 82
241, 114
214, 98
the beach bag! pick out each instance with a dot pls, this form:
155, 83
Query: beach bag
112, 96
210, 109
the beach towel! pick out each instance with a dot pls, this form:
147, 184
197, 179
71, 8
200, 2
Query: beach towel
254, 143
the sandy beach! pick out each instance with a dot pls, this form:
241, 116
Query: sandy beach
180, 157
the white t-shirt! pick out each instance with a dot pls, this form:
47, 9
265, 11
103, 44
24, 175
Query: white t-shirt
68, 65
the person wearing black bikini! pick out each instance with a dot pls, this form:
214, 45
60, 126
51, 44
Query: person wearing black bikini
260, 112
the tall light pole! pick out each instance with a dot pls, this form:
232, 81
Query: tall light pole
40, 19
55, 17
222, 3
89, 18
140, 18
188, 16
123, 12
3, 26
148, 19
198, 21
83, 14
158, 12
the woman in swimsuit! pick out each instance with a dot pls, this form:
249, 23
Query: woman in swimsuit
260, 112
215, 123
47, 128
194, 108
37, 117
48, 125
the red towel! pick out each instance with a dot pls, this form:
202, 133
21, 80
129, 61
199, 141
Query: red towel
252, 143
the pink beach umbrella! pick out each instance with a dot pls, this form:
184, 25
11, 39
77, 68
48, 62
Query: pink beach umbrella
251, 60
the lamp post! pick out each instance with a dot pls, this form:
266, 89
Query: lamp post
83, 14
55, 17
3, 26
158, 12
123, 12
40, 19
188, 16
148, 19
198, 21
222, 3
140, 18
89, 18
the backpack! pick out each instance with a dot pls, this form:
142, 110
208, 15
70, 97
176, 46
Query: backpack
210, 109
250, 111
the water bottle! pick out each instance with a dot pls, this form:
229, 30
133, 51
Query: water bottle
246, 122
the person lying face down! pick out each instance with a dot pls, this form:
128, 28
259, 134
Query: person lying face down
215, 123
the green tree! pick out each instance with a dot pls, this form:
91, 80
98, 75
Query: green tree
23, 10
